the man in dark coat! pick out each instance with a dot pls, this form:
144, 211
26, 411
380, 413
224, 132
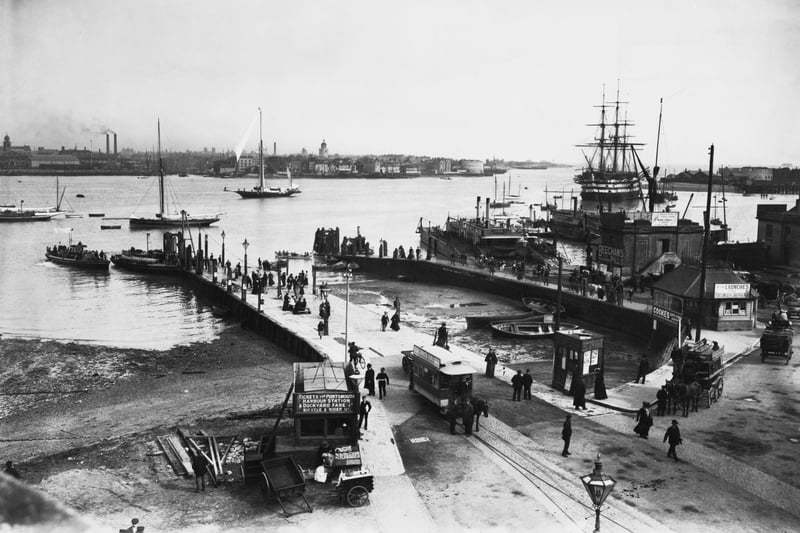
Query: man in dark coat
395, 322
516, 383
369, 379
527, 381
363, 412
566, 435
644, 368
661, 395
467, 415
673, 435
579, 394
440, 339
200, 469
491, 362
383, 380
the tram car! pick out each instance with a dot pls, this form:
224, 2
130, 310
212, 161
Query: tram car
438, 375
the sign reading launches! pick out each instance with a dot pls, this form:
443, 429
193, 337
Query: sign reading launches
731, 290
325, 402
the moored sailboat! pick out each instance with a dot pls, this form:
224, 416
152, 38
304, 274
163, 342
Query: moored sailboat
260, 190
163, 218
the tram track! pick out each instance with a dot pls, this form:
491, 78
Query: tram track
556, 486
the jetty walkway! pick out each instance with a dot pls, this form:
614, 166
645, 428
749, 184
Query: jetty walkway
380, 451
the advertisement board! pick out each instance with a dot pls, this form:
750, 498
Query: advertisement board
664, 220
731, 290
325, 403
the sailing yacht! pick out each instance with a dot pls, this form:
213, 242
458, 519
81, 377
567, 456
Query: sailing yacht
163, 218
260, 191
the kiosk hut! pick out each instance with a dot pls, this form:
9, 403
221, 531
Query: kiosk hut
577, 355
729, 302
325, 408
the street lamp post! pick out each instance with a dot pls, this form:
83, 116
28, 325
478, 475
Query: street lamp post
347, 276
223, 247
599, 486
245, 244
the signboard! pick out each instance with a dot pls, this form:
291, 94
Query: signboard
664, 220
325, 403
731, 290
610, 255
666, 315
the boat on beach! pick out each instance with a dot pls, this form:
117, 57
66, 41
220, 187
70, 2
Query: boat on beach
530, 330
537, 305
164, 218
77, 255
483, 321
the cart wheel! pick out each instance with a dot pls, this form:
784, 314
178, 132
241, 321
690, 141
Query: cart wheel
357, 496
264, 485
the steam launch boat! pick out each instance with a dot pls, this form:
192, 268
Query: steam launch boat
163, 218
76, 255
164, 261
614, 172
260, 191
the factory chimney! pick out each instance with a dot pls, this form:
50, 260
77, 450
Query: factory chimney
108, 148
274, 148
115, 144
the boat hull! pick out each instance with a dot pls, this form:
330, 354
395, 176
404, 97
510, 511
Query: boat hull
163, 222
529, 330
145, 264
483, 321
266, 193
79, 263
540, 306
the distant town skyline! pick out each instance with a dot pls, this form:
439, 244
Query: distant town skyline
516, 80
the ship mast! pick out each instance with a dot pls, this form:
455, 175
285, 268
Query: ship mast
658, 137
616, 133
260, 154
160, 175
603, 131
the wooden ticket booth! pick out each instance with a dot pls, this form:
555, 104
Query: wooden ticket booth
577, 355
325, 408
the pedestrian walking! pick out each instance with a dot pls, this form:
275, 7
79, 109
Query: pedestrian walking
321, 328
673, 435
661, 396
383, 380
579, 394
516, 383
384, 321
200, 469
644, 420
395, 322
644, 368
527, 381
396, 305
491, 363
440, 337
11, 470
369, 379
566, 435
363, 412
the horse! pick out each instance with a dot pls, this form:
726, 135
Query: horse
469, 408
688, 395
480, 406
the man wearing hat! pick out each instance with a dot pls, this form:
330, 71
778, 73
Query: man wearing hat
566, 435
673, 435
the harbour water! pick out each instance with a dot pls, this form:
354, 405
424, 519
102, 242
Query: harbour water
40, 299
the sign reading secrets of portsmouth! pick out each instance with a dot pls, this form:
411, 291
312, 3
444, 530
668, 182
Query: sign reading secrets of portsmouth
731, 290
325, 402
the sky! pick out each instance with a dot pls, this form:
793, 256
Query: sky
514, 80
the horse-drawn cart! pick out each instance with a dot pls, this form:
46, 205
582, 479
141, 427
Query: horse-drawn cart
776, 341
698, 374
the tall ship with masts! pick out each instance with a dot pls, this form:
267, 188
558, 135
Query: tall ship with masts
614, 171
164, 218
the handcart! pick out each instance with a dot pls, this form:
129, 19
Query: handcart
281, 479
354, 486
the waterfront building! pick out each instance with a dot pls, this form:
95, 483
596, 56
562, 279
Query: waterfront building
729, 301
472, 167
646, 243
779, 230
53, 161
323, 150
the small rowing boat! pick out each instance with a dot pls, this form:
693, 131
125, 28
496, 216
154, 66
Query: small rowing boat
116, 226
483, 321
95, 215
530, 330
